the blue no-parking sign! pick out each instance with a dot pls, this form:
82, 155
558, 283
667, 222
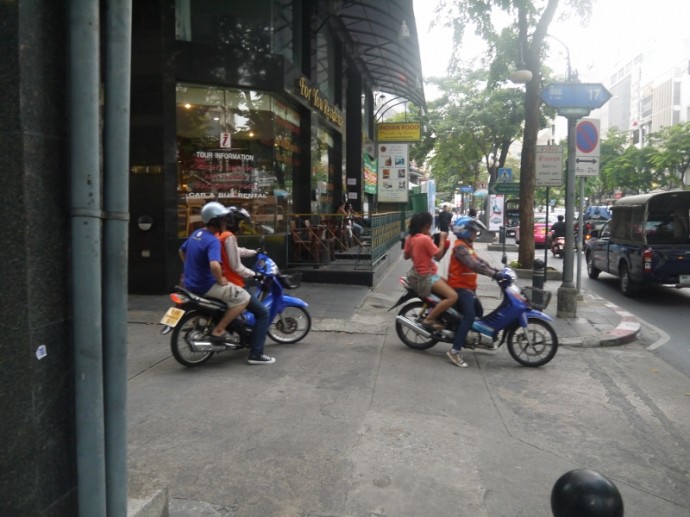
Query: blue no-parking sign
587, 144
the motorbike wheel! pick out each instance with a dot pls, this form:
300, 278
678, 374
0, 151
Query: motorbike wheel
414, 312
293, 326
191, 326
543, 347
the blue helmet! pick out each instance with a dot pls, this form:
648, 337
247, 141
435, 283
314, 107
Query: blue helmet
466, 225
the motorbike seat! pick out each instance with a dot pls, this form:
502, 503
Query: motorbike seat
202, 299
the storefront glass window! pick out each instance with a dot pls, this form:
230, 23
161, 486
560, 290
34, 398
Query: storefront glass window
239, 24
325, 64
322, 170
284, 42
238, 147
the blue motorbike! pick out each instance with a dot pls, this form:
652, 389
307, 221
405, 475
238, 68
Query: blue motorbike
193, 318
527, 331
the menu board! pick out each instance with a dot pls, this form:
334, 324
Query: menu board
393, 177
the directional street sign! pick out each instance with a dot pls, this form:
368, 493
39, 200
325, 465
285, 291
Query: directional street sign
587, 144
505, 188
575, 95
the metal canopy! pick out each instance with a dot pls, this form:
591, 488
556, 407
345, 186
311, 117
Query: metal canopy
382, 50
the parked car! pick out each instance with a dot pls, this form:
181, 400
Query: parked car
541, 229
647, 241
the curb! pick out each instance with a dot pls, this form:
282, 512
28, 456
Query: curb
626, 331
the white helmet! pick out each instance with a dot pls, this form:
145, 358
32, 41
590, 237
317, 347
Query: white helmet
213, 210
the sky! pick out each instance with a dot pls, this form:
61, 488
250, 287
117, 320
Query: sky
618, 30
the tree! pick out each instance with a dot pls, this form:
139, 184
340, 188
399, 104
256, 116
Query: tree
672, 157
530, 23
473, 127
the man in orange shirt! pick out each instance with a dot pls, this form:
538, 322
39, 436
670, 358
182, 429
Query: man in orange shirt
462, 276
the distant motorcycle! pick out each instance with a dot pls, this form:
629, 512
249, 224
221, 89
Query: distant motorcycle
531, 339
194, 317
557, 246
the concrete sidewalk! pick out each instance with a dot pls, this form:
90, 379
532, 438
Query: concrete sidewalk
350, 422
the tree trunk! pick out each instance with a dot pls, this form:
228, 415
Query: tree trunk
527, 171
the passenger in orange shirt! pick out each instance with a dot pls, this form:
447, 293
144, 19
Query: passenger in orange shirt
420, 247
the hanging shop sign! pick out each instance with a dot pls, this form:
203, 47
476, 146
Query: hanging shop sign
398, 132
393, 173
369, 173
318, 101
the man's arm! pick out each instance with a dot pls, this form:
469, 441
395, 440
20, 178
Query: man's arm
217, 272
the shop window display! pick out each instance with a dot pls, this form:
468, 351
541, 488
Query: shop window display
238, 147
322, 171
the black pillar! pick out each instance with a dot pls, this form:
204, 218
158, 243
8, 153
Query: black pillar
353, 137
38, 454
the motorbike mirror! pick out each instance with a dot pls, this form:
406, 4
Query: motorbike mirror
504, 259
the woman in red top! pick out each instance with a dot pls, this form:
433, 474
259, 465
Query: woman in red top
420, 247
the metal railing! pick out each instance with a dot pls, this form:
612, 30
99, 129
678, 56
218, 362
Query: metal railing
381, 234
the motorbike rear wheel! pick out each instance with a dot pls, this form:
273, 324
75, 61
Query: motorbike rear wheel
414, 311
539, 349
291, 326
192, 326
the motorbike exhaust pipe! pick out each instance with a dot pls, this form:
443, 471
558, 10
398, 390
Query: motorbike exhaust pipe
415, 327
207, 346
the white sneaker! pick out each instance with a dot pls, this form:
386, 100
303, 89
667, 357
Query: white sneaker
456, 359
262, 359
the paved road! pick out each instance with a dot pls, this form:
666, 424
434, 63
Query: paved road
352, 423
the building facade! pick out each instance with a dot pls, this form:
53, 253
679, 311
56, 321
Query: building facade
268, 105
650, 92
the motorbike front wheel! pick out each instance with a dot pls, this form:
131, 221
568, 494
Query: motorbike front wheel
192, 326
292, 325
534, 345
415, 312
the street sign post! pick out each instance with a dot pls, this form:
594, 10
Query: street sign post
588, 149
573, 101
575, 95
549, 166
505, 188
505, 175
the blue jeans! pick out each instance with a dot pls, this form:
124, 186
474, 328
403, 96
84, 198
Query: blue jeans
261, 314
470, 307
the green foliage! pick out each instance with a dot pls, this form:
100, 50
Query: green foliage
661, 163
472, 127
671, 158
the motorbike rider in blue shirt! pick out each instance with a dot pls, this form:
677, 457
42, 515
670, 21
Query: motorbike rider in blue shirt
203, 273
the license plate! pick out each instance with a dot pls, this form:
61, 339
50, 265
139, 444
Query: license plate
172, 317
684, 279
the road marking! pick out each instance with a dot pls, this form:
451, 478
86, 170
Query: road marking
665, 338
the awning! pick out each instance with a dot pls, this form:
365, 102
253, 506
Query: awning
383, 41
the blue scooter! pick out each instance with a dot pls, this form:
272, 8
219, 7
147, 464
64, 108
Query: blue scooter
194, 317
531, 339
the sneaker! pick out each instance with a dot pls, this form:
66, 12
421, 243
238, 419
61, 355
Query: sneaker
262, 359
225, 337
456, 359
